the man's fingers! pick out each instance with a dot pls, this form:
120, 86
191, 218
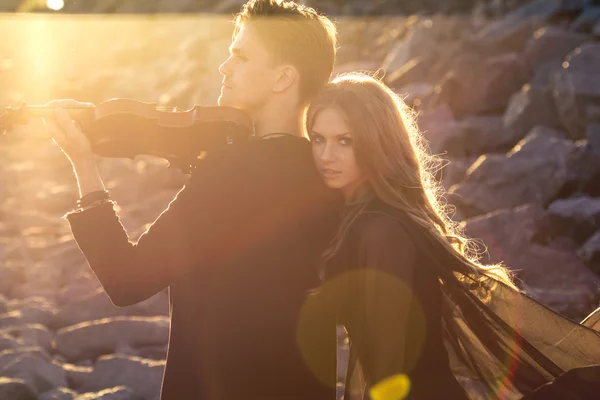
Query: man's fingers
63, 118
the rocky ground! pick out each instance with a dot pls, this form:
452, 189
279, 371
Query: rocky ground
512, 103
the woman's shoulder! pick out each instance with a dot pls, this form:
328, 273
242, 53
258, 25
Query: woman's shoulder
380, 224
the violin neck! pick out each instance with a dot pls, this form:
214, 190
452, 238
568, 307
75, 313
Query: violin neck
47, 111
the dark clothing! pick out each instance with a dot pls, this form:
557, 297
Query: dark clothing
386, 294
238, 249
410, 307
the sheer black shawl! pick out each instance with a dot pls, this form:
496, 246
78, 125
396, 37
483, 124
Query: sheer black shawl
502, 343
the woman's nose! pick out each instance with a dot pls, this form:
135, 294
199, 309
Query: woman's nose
327, 154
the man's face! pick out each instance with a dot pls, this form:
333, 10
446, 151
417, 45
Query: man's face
249, 73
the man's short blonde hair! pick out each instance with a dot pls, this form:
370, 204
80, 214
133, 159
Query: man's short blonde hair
295, 34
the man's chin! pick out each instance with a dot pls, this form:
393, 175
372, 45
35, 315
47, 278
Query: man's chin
226, 101
222, 101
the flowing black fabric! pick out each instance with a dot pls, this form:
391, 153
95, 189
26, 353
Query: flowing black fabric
504, 344
500, 343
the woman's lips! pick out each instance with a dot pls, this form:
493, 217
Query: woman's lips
329, 173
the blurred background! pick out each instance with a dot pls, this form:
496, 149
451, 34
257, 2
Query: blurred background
508, 94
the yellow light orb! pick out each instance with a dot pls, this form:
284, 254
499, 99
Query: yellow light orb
55, 5
395, 387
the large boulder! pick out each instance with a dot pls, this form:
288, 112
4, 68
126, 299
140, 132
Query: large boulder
97, 305
539, 169
551, 44
552, 275
477, 85
529, 107
577, 88
89, 340
16, 389
142, 375
38, 372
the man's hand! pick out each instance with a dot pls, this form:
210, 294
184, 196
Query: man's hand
67, 134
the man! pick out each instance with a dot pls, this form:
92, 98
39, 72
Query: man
239, 245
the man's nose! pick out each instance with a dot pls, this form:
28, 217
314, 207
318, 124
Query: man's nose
224, 67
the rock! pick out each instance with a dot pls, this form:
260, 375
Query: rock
10, 355
9, 342
16, 389
411, 72
481, 135
590, 251
3, 307
11, 277
545, 75
586, 21
529, 107
38, 372
454, 171
558, 279
60, 393
534, 171
418, 42
76, 374
41, 314
478, 85
74, 341
142, 375
511, 32
97, 305
438, 126
78, 287
577, 87
555, 277
158, 352
32, 335
416, 94
583, 171
117, 393
592, 134
550, 44
578, 217
10, 318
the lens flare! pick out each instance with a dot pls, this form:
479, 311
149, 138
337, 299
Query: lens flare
55, 5
393, 388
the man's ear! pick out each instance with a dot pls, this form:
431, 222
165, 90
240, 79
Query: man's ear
287, 75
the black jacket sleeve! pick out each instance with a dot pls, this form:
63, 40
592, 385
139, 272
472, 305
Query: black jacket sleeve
132, 272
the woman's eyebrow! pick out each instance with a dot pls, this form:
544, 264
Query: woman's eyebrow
338, 135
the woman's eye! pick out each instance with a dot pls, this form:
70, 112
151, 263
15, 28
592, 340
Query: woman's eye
317, 139
346, 142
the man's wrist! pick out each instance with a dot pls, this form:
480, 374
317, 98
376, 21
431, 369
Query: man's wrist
88, 177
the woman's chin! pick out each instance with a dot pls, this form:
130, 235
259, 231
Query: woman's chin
331, 183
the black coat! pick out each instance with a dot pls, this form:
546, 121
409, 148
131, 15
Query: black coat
238, 249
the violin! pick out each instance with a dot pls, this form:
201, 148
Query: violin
126, 128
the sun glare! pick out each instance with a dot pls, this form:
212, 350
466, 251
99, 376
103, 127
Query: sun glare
55, 4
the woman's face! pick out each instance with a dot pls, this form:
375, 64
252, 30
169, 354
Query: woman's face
333, 151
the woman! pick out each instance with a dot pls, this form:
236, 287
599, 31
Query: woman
405, 283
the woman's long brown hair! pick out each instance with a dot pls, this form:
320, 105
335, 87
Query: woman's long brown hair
399, 170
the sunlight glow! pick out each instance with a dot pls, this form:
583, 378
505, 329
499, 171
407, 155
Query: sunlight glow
55, 5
